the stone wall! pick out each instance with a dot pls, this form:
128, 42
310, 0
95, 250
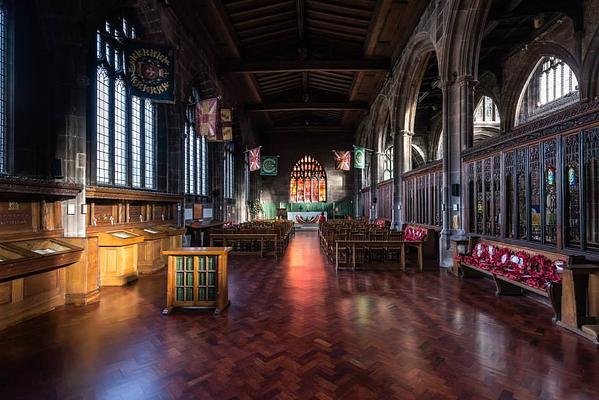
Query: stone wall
291, 147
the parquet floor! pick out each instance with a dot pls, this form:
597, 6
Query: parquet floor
298, 330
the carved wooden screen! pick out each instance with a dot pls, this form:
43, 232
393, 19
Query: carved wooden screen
572, 189
521, 177
479, 197
591, 185
535, 193
496, 225
510, 200
422, 194
550, 191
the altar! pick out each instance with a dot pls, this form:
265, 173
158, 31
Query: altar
304, 217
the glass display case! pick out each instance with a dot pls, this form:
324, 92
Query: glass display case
150, 258
26, 257
174, 238
118, 254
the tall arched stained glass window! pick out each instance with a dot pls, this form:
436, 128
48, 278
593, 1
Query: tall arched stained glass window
551, 86
308, 182
125, 134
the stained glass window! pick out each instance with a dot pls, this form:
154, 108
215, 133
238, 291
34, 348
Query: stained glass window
125, 136
521, 193
572, 189
308, 182
535, 193
549, 149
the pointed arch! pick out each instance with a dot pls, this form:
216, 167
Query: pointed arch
535, 52
308, 181
551, 85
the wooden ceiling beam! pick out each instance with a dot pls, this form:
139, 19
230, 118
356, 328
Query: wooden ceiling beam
307, 65
300, 129
309, 106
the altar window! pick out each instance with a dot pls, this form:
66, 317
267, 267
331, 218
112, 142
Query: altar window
3, 89
125, 134
308, 182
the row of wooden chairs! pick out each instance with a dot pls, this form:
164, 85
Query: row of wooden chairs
349, 243
260, 237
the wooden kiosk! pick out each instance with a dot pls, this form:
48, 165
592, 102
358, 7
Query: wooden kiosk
197, 278
149, 258
117, 257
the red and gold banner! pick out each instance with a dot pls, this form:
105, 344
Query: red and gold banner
207, 113
342, 160
254, 159
226, 125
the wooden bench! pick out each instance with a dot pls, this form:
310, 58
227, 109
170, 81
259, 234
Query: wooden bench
418, 237
580, 300
236, 239
490, 256
353, 246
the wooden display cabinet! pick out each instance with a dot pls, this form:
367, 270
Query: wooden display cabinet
118, 256
149, 259
173, 240
197, 278
26, 257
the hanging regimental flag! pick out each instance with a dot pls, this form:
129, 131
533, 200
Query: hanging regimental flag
359, 157
150, 71
226, 124
207, 112
269, 166
342, 160
254, 159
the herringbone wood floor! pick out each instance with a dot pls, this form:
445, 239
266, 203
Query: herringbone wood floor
298, 330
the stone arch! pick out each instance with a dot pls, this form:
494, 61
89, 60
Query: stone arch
466, 24
418, 53
589, 82
535, 52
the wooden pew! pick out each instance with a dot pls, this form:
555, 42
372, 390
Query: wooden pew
235, 240
353, 246
506, 285
421, 238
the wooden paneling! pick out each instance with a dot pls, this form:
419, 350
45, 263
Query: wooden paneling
32, 296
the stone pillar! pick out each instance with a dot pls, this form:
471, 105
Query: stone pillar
406, 150
397, 180
374, 177
357, 191
458, 99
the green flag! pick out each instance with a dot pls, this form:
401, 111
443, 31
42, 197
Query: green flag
269, 166
359, 157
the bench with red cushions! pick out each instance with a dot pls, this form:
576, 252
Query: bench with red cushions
420, 238
515, 269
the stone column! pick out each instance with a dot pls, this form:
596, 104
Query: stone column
397, 180
374, 177
458, 98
